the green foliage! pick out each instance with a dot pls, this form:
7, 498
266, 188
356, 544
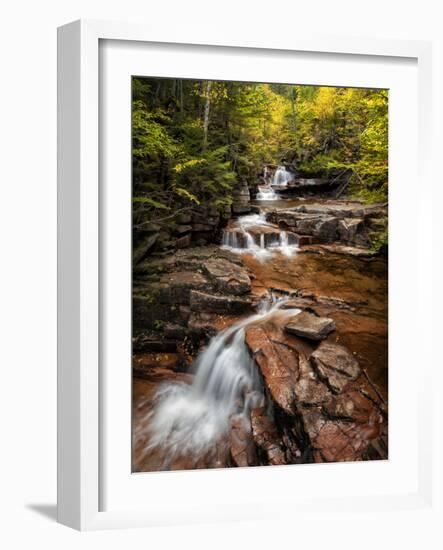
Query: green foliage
193, 144
345, 129
379, 240
150, 202
158, 324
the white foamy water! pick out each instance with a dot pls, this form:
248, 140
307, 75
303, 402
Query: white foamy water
241, 238
188, 420
282, 177
266, 194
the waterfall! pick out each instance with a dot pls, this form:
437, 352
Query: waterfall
188, 420
240, 238
286, 248
266, 194
282, 177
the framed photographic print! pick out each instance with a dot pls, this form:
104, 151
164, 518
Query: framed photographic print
239, 285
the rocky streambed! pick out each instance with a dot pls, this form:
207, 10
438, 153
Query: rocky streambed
269, 348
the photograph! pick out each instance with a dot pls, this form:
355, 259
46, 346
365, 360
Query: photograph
259, 274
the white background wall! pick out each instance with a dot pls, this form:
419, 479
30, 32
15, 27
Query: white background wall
28, 274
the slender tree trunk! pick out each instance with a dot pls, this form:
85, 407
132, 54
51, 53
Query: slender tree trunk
294, 114
206, 115
181, 95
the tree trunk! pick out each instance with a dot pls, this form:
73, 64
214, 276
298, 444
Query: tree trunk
206, 115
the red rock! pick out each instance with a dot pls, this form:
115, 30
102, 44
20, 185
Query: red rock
310, 326
242, 446
335, 365
266, 437
278, 363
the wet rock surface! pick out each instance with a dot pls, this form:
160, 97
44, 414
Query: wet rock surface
335, 365
349, 223
324, 371
323, 396
308, 325
191, 281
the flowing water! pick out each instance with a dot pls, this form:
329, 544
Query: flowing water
282, 177
254, 235
266, 194
188, 420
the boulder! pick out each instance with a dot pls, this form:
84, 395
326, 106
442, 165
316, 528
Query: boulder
308, 389
266, 437
337, 440
182, 229
348, 229
183, 242
176, 287
219, 303
326, 229
143, 247
310, 326
227, 277
239, 209
335, 365
348, 222
278, 364
352, 405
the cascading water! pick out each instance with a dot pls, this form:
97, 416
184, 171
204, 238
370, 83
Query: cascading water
282, 177
253, 234
188, 420
266, 194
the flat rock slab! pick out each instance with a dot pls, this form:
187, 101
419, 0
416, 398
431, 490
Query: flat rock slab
228, 277
343, 250
335, 365
307, 325
218, 303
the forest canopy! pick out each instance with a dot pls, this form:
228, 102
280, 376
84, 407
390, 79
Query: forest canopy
195, 141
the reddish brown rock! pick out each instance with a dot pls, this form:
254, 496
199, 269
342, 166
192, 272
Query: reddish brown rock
175, 287
352, 405
335, 365
219, 303
308, 389
310, 326
144, 364
339, 440
242, 446
278, 363
227, 277
266, 437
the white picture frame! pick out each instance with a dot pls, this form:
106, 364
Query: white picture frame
81, 412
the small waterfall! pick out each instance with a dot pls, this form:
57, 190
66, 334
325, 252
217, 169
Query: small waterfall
282, 177
230, 238
266, 194
286, 248
241, 238
191, 419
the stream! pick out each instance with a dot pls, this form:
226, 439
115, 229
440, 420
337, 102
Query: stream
188, 421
